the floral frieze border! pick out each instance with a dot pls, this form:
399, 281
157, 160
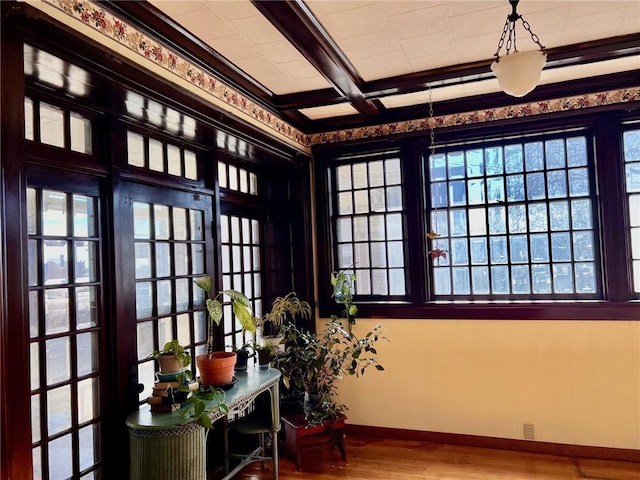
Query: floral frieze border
578, 102
116, 29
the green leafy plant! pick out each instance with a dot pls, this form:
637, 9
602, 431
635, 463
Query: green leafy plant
174, 349
343, 290
287, 309
313, 363
202, 402
239, 303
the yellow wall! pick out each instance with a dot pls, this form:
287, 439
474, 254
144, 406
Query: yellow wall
578, 382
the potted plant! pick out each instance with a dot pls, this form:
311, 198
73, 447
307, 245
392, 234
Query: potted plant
172, 359
265, 352
243, 354
313, 363
216, 368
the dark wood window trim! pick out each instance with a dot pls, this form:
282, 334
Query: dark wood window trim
618, 302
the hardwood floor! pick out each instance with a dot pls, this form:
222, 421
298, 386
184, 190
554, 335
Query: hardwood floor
382, 459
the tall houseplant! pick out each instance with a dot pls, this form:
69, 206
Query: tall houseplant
216, 368
313, 363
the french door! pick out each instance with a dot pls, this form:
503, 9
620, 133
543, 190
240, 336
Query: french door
66, 325
172, 242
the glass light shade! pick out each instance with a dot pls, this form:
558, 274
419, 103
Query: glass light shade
519, 72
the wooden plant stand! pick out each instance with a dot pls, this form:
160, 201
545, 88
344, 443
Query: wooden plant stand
299, 437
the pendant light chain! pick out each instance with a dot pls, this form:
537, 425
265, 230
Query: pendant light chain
436, 252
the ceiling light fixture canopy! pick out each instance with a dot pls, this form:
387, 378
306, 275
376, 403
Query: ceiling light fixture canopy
518, 72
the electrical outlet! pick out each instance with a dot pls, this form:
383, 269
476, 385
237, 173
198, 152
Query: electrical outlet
529, 433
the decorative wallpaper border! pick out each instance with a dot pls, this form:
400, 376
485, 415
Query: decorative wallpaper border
116, 29
578, 102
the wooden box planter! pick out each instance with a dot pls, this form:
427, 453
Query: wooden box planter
299, 437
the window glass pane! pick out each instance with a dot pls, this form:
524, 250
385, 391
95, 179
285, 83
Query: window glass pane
576, 151
174, 164
197, 228
533, 156
144, 300
493, 161
88, 439
161, 223
233, 177
163, 296
51, 125
344, 177
163, 259
392, 172
60, 452
135, 149
28, 119
360, 179
59, 408
243, 178
54, 213
85, 261
141, 220
557, 184
156, 155
56, 262
56, 310
190, 165
80, 133
554, 151
87, 354
86, 307
513, 158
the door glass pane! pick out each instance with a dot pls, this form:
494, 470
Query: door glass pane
54, 213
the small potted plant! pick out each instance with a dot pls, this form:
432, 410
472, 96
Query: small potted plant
216, 368
172, 359
266, 352
243, 354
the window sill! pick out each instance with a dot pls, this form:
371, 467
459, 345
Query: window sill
565, 310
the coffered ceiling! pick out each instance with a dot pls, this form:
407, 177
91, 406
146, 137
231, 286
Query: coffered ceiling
320, 62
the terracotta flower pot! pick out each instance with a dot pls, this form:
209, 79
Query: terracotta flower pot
216, 369
168, 363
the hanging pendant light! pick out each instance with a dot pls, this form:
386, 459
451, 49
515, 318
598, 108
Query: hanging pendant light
519, 72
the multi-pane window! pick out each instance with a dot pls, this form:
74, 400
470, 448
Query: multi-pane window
241, 270
51, 125
159, 156
237, 178
631, 145
369, 226
515, 219
169, 254
65, 326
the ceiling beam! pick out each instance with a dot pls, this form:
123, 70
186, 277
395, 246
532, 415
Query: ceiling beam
297, 24
579, 53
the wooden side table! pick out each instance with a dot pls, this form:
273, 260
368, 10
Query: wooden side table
299, 437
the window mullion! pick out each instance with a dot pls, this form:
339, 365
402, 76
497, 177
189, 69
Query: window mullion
613, 218
416, 223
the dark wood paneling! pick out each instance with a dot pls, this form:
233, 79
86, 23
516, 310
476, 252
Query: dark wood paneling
14, 334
